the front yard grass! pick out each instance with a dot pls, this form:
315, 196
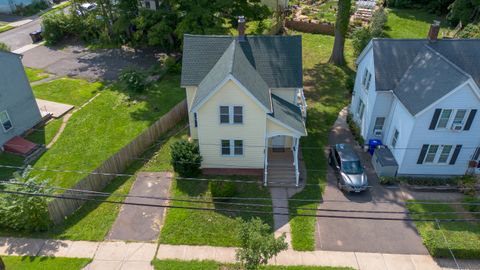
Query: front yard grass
43, 263
213, 265
325, 87
213, 228
463, 237
45, 134
66, 90
411, 23
104, 126
34, 74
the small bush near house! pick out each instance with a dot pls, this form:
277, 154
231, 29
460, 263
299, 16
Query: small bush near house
467, 184
360, 38
4, 47
258, 244
430, 181
355, 130
21, 212
222, 189
186, 158
470, 31
173, 66
387, 180
379, 20
134, 80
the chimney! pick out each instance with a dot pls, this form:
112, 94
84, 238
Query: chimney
241, 28
434, 30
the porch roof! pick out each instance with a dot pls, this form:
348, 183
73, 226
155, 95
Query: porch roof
288, 114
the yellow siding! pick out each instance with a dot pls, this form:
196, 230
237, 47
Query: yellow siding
252, 131
276, 129
191, 90
286, 93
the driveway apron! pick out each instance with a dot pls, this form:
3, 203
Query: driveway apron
142, 223
364, 235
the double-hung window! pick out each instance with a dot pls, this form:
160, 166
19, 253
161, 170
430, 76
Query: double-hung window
455, 119
459, 117
439, 154
379, 122
232, 147
367, 77
5, 121
231, 115
444, 118
395, 138
360, 109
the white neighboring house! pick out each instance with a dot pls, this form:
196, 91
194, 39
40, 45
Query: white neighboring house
421, 98
246, 104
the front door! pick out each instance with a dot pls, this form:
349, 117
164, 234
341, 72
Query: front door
278, 144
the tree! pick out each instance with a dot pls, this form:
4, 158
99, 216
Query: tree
2, 265
464, 11
258, 245
341, 28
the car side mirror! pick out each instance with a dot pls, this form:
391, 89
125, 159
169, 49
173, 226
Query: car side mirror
338, 167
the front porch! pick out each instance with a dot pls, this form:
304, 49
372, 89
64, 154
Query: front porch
281, 161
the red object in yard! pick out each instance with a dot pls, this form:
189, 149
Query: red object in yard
20, 146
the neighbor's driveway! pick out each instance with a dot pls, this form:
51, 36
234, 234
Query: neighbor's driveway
78, 61
361, 235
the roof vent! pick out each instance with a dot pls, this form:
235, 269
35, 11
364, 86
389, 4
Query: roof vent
434, 30
241, 28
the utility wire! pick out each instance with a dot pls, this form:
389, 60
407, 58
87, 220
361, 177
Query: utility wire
236, 210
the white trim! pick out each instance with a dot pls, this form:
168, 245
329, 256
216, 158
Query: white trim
364, 52
231, 114
232, 148
468, 82
287, 127
217, 88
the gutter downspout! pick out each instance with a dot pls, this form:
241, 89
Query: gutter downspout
265, 162
295, 161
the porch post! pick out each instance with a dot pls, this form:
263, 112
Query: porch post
295, 158
265, 163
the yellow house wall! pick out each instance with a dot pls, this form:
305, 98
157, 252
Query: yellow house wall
275, 129
191, 91
211, 132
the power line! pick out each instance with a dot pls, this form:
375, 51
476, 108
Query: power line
197, 200
236, 210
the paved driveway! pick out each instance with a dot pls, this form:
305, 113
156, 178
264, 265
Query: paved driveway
77, 61
19, 36
361, 235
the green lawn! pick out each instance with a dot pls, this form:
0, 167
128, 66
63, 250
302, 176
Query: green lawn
212, 265
67, 90
45, 134
326, 94
411, 23
213, 228
9, 159
104, 126
34, 74
43, 263
5, 28
463, 237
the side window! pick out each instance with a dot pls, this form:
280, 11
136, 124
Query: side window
5, 121
195, 119
238, 115
224, 115
395, 138
379, 122
225, 147
444, 118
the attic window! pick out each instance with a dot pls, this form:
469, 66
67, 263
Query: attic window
231, 115
367, 77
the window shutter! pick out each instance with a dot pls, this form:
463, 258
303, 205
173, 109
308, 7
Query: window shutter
455, 154
436, 115
423, 152
470, 118
476, 155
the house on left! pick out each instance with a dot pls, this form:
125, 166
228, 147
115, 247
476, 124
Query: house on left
19, 111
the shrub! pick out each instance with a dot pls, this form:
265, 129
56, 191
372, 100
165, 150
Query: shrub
388, 180
474, 205
379, 19
173, 66
258, 244
360, 38
25, 213
222, 189
186, 159
4, 47
134, 80
429, 181
470, 31
355, 130
58, 25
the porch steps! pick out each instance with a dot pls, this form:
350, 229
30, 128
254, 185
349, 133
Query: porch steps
281, 174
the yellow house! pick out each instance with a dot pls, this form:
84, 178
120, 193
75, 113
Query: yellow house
246, 104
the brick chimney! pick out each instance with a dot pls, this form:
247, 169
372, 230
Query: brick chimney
434, 30
241, 28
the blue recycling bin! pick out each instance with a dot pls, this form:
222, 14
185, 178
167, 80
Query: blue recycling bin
372, 144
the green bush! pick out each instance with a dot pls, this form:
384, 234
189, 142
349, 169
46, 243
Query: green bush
21, 212
186, 158
379, 20
4, 47
470, 31
222, 189
388, 180
355, 130
134, 80
430, 181
360, 38
173, 66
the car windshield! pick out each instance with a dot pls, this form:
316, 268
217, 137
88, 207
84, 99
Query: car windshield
352, 167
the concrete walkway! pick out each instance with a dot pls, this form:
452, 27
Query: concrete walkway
118, 255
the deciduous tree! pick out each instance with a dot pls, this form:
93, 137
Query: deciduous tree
341, 28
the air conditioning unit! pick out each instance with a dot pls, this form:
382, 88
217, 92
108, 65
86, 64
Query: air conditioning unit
377, 132
457, 127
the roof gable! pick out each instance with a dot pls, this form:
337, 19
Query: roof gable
288, 114
277, 59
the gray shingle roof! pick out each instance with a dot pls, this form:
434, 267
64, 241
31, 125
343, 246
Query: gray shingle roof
278, 59
288, 114
385, 157
393, 57
429, 78
234, 62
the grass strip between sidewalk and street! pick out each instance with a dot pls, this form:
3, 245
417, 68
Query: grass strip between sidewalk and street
43, 263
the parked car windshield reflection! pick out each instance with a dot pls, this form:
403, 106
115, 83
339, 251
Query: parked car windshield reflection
352, 167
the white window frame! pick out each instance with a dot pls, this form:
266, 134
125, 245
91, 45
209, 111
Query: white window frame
451, 120
360, 109
232, 148
366, 80
8, 120
231, 114
394, 140
438, 154
375, 124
